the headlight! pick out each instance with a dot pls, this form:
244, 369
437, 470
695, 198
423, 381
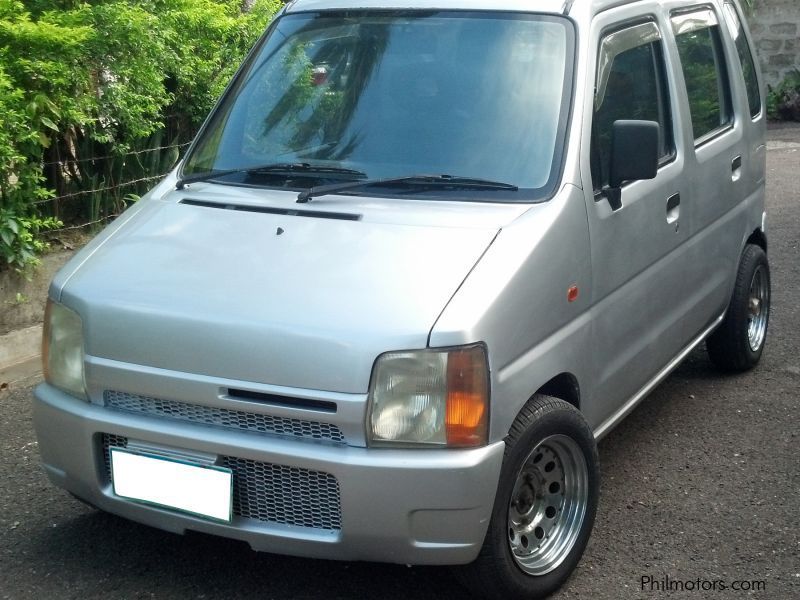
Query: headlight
62, 349
430, 398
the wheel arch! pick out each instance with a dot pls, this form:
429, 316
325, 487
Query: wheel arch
758, 238
564, 386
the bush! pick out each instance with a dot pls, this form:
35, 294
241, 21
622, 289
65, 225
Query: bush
783, 102
89, 91
19, 238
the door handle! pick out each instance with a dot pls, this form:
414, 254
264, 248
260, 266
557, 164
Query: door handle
736, 168
673, 209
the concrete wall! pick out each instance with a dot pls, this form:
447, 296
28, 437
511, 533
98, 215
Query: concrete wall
775, 25
27, 308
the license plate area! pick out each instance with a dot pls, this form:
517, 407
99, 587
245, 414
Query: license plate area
200, 490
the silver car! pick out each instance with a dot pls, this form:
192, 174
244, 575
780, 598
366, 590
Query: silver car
419, 259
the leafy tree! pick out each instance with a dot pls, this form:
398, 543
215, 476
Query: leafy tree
85, 84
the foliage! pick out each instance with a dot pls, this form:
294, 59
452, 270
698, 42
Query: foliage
19, 242
702, 80
91, 93
783, 101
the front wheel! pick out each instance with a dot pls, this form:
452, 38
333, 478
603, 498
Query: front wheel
545, 505
737, 344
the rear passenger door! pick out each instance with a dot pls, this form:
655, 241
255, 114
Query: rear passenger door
638, 250
715, 162
753, 117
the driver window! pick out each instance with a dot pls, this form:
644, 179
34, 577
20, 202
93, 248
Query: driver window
631, 84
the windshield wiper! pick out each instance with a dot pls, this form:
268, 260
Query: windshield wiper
287, 167
452, 181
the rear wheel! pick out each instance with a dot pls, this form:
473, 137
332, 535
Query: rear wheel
545, 505
738, 342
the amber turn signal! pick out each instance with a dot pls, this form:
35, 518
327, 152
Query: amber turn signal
467, 414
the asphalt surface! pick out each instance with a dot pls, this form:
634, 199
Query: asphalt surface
700, 484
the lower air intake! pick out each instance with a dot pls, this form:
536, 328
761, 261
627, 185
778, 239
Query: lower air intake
271, 493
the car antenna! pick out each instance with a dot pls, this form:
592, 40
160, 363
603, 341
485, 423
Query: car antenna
567, 7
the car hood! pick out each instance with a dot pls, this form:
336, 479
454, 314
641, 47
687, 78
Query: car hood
195, 284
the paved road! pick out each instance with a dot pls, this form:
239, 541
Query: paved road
702, 481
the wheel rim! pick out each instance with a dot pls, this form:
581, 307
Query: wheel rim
757, 309
548, 505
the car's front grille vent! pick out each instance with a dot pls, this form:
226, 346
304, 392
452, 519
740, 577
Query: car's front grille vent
111, 441
270, 493
223, 417
282, 494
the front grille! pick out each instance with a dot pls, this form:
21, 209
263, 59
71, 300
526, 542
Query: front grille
111, 441
282, 494
222, 417
271, 493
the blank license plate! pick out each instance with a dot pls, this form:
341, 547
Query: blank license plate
196, 489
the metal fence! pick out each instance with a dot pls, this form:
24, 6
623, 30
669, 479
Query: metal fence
110, 194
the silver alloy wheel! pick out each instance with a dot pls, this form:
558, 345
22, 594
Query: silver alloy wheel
757, 309
548, 504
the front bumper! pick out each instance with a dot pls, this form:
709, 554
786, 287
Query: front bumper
402, 506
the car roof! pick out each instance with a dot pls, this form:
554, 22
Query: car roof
571, 7
546, 6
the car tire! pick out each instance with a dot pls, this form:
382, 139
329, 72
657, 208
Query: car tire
737, 344
544, 508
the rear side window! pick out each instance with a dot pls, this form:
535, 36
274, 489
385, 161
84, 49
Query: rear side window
630, 85
704, 71
745, 58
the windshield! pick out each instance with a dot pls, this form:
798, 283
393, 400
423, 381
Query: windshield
480, 95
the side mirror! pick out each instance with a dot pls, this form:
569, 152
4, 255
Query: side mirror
634, 155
